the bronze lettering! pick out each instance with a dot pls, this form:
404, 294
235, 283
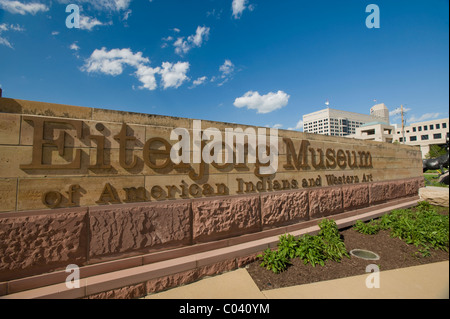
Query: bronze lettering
108, 195
197, 192
39, 142
71, 192
150, 154
157, 192
51, 199
321, 164
355, 160
365, 160
300, 160
133, 194
100, 160
240, 185
123, 138
341, 159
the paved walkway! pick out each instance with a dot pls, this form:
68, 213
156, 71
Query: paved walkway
429, 281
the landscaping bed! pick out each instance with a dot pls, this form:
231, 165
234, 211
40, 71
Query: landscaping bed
394, 253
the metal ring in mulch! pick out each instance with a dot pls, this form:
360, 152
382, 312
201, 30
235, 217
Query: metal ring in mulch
364, 254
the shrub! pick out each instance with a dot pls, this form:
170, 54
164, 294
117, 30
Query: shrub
273, 260
315, 250
421, 226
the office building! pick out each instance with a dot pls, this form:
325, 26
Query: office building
424, 134
375, 131
342, 123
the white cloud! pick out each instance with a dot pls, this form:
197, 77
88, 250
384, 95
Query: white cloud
398, 111
146, 75
126, 15
74, 46
173, 75
17, 7
87, 23
199, 81
196, 40
102, 5
262, 103
238, 6
424, 117
55, 33
226, 68
299, 126
214, 13
112, 62
5, 28
5, 42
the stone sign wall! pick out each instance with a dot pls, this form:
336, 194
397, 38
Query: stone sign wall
88, 183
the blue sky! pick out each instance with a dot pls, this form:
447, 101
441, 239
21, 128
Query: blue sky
256, 62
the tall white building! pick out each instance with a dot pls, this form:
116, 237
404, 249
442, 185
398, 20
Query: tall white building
342, 123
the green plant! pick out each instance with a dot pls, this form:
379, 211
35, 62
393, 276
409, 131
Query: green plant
421, 226
433, 180
369, 228
311, 250
315, 250
334, 246
287, 246
436, 151
274, 261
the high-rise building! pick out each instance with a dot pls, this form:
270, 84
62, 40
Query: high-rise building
342, 123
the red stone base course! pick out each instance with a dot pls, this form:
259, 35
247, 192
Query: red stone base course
36, 246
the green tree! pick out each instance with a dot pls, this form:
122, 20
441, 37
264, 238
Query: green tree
436, 151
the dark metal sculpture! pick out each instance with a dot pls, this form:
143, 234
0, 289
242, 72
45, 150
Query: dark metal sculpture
437, 163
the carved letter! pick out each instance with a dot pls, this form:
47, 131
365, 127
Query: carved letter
108, 195
122, 138
300, 160
39, 141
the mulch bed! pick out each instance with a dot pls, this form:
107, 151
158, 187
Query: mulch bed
394, 253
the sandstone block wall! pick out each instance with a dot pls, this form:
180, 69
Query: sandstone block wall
84, 185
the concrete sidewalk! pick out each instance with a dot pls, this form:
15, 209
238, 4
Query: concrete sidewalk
430, 281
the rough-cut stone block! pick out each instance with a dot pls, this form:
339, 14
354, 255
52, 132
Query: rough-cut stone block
225, 217
32, 244
397, 189
170, 281
284, 208
412, 187
129, 292
325, 202
421, 181
435, 195
355, 196
126, 228
378, 192
217, 268
243, 261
